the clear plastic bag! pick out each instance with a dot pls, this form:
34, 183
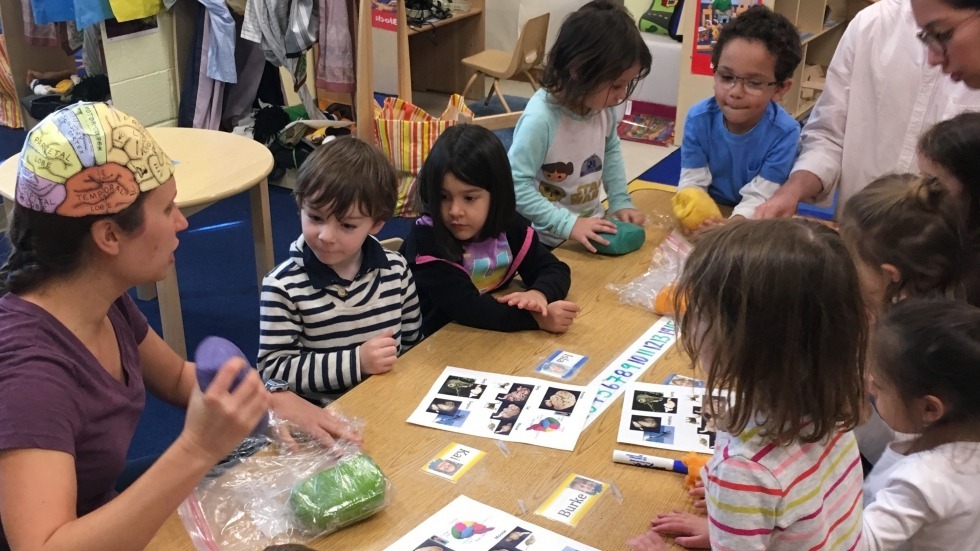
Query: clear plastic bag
665, 267
275, 492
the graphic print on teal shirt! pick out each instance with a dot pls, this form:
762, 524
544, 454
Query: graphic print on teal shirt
487, 262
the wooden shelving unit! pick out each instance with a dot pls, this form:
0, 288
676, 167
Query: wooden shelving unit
821, 24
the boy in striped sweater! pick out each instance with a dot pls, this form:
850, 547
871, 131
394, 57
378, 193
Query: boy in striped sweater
341, 307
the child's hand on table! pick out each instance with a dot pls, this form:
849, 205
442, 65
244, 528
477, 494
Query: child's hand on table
697, 494
690, 531
320, 423
532, 301
378, 354
649, 541
559, 317
632, 216
590, 228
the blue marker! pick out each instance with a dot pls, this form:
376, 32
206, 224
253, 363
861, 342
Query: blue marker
649, 461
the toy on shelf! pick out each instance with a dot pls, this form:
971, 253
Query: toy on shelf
51, 87
658, 18
814, 77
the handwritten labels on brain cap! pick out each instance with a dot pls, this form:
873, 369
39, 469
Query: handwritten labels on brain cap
88, 159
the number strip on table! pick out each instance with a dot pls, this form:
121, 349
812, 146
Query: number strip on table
628, 366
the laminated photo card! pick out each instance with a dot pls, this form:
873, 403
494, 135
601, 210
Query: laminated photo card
670, 417
505, 407
572, 499
561, 364
453, 461
468, 525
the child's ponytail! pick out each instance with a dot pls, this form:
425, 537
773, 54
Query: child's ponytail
930, 194
912, 224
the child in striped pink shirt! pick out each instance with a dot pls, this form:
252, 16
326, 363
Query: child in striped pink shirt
775, 318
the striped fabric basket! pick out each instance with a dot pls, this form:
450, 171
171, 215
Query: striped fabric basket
10, 114
406, 133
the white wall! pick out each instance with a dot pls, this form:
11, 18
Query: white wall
506, 18
143, 75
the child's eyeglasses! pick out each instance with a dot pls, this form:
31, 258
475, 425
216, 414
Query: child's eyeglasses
937, 41
751, 85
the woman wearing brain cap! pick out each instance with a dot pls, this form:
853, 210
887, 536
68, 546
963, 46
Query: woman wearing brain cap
95, 216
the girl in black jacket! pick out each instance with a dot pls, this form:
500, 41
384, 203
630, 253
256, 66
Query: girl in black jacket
470, 242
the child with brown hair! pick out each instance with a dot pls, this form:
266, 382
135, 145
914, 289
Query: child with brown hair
565, 144
907, 239
342, 307
948, 152
786, 472
924, 379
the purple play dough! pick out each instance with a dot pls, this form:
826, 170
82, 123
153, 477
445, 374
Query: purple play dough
210, 355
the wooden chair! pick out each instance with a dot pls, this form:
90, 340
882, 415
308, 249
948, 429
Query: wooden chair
364, 98
392, 243
498, 64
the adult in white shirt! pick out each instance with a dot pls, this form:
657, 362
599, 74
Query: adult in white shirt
882, 91
951, 31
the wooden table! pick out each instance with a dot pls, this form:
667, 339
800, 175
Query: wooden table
211, 166
604, 328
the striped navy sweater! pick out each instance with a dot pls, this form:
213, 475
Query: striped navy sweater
312, 323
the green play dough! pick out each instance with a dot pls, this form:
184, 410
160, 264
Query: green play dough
350, 491
628, 238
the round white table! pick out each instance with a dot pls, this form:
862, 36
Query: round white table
211, 166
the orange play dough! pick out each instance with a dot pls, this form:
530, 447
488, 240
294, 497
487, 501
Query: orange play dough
663, 304
694, 462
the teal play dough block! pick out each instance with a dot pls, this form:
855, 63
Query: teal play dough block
352, 490
628, 238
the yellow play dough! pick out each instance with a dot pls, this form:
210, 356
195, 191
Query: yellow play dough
692, 206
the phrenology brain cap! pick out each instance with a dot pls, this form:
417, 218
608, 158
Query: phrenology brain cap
88, 159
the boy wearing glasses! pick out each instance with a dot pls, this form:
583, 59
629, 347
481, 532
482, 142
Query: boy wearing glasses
740, 144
